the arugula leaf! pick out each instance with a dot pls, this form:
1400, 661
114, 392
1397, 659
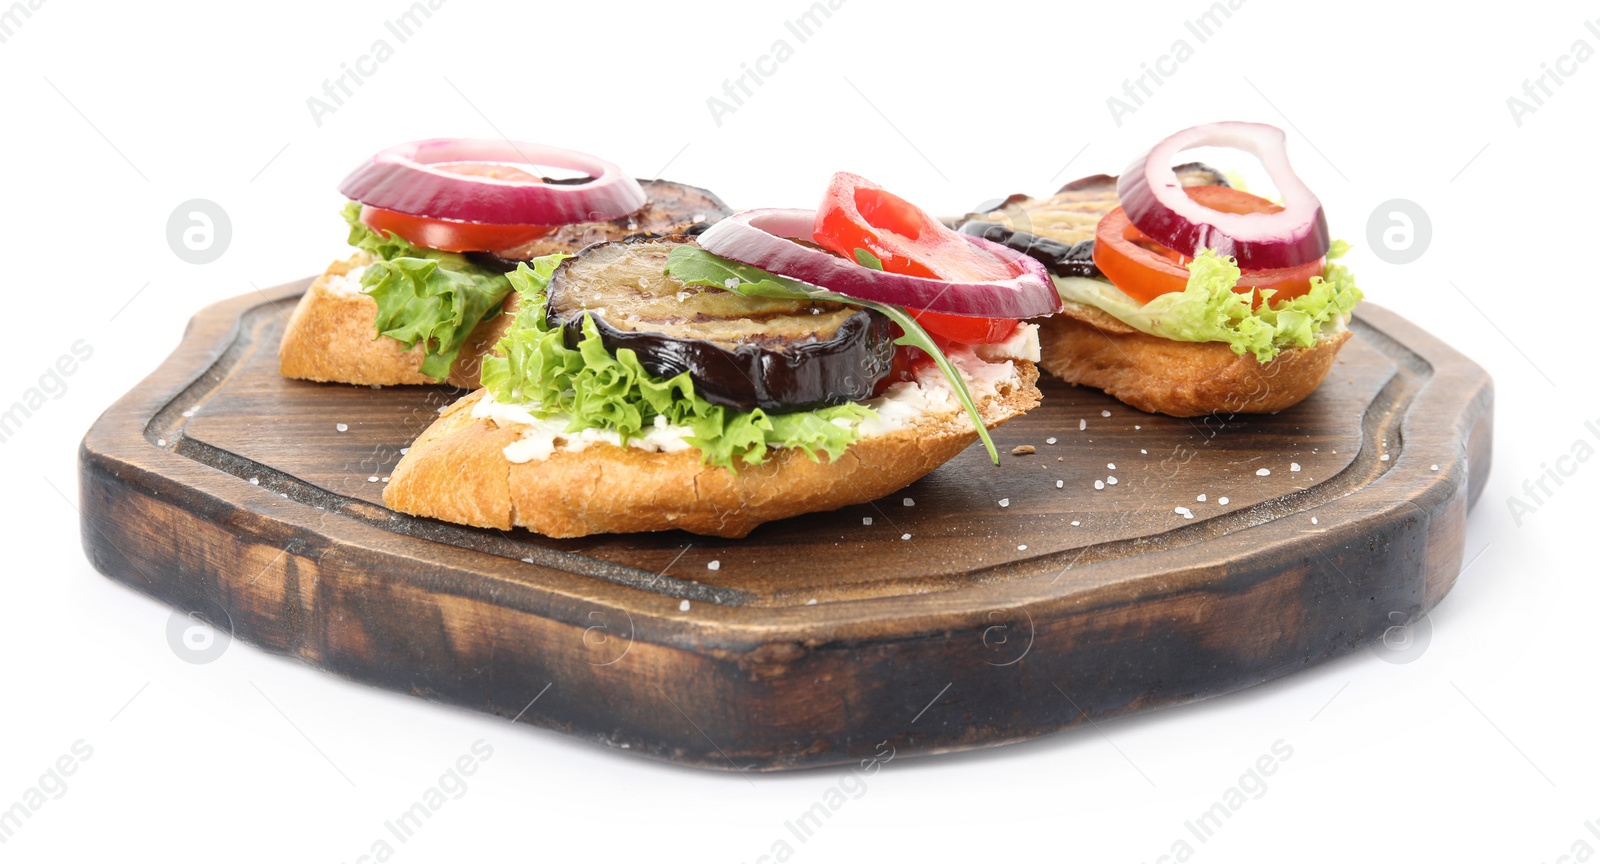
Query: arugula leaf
424, 294
599, 390
868, 260
692, 265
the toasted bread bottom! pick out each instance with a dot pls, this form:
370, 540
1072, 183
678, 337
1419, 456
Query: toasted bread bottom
456, 471
1185, 379
333, 336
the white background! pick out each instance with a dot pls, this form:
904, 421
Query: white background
1481, 749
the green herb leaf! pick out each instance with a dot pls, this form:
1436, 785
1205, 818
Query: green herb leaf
868, 260
692, 265
424, 294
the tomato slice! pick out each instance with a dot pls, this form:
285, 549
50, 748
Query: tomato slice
451, 235
858, 214
965, 329
1144, 269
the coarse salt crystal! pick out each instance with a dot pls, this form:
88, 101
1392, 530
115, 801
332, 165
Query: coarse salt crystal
1060, 483
811, 602
1294, 466
341, 427
1022, 548
1383, 458
1137, 427
1104, 413
1434, 468
1222, 500
372, 479
1111, 465
1005, 502
1076, 523
684, 606
255, 481
1144, 451
1099, 484
189, 413
1262, 472
161, 442
1049, 440
1200, 497
714, 565
866, 520
1082, 425
404, 450
908, 502
905, 536
1313, 520
1111, 481
1184, 512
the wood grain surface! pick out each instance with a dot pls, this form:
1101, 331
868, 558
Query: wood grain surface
979, 606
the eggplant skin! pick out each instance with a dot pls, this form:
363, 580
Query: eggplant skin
741, 352
1058, 231
670, 208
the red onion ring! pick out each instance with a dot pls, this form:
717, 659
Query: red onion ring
1157, 205
761, 238
406, 178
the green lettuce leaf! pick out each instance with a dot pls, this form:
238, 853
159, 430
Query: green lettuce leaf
425, 295
599, 390
1208, 309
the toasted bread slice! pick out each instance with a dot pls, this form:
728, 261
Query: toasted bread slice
457, 471
333, 336
1084, 345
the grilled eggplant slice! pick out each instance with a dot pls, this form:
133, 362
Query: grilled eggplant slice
742, 352
1058, 231
670, 208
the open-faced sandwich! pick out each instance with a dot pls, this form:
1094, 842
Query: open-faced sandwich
783, 362
436, 226
1182, 294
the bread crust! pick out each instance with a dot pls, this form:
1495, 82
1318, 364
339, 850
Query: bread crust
332, 337
456, 472
1084, 345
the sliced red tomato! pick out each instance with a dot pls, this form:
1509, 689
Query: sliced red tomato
965, 329
1144, 269
451, 235
858, 214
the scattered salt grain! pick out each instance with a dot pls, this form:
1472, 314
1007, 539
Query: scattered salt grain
1137, 427
908, 502
1433, 468
714, 565
1076, 523
866, 520
1082, 425
1184, 512
1111, 465
811, 602
1022, 548
684, 606
404, 450
255, 481
1222, 500
1263, 472
1060, 484
1049, 440
1111, 481
1005, 502
1144, 451
189, 413
905, 536
1099, 484
372, 479
1294, 467
341, 427
1105, 413
161, 442
1313, 520
1383, 458
1200, 497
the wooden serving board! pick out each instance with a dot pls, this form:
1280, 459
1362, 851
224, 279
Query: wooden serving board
979, 606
